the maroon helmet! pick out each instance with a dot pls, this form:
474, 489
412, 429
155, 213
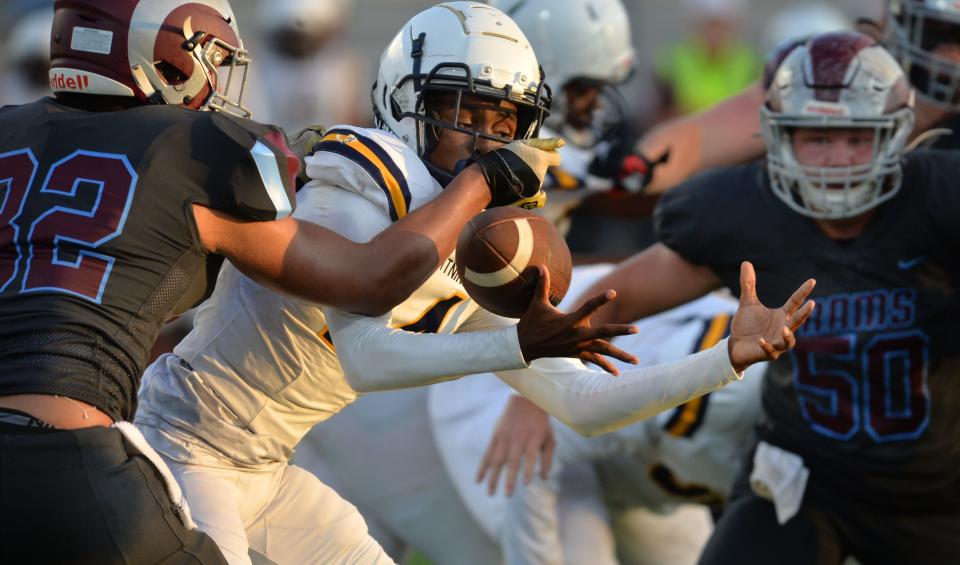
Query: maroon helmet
157, 51
837, 80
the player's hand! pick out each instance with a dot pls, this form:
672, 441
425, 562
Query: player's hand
759, 333
515, 172
545, 331
620, 164
522, 433
303, 144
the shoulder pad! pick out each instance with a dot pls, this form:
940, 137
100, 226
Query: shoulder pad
251, 172
374, 164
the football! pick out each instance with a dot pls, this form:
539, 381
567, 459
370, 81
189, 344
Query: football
497, 257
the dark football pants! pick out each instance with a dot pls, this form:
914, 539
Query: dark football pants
88, 496
830, 526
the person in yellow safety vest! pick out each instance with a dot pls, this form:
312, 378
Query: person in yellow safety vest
708, 66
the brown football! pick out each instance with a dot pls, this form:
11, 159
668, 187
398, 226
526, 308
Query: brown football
497, 255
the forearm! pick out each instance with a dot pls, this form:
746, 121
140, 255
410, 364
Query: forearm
593, 403
724, 135
441, 220
312, 262
652, 281
375, 357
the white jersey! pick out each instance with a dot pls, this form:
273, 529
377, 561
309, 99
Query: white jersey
260, 368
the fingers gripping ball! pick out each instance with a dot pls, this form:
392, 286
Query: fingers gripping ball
497, 257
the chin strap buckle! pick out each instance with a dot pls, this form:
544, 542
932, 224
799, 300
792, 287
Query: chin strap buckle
416, 52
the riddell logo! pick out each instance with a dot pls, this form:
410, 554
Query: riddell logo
76, 82
826, 108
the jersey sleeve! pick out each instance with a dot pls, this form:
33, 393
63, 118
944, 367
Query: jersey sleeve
251, 170
377, 167
943, 202
593, 403
364, 343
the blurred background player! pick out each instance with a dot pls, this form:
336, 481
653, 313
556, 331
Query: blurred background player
303, 49
710, 64
586, 50
27, 50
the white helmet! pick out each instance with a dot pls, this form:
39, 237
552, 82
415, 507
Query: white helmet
914, 30
803, 20
837, 80
461, 48
576, 38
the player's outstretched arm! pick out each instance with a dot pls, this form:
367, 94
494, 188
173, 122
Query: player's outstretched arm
723, 135
484, 343
315, 263
592, 403
654, 280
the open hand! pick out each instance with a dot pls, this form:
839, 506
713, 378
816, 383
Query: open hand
759, 333
545, 331
523, 433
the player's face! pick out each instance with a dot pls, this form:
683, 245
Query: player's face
583, 100
834, 147
486, 116
943, 40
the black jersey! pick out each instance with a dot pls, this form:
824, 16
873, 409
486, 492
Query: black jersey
870, 395
97, 240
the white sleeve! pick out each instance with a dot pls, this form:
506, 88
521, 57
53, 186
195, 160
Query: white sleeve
593, 402
376, 357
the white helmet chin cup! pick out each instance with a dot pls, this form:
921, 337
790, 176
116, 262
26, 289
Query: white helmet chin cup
914, 29
841, 80
460, 48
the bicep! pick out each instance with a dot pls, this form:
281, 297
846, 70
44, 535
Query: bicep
652, 281
293, 256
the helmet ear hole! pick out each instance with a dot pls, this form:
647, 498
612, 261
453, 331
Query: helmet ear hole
170, 73
395, 108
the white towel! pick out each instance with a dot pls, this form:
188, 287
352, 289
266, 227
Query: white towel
781, 477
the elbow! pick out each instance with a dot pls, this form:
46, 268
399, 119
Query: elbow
583, 424
386, 285
376, 296
395, 269
355, 374
589, 429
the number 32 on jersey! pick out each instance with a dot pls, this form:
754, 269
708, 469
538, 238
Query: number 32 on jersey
82, 204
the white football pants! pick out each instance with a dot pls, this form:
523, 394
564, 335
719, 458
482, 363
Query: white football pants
286, 514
